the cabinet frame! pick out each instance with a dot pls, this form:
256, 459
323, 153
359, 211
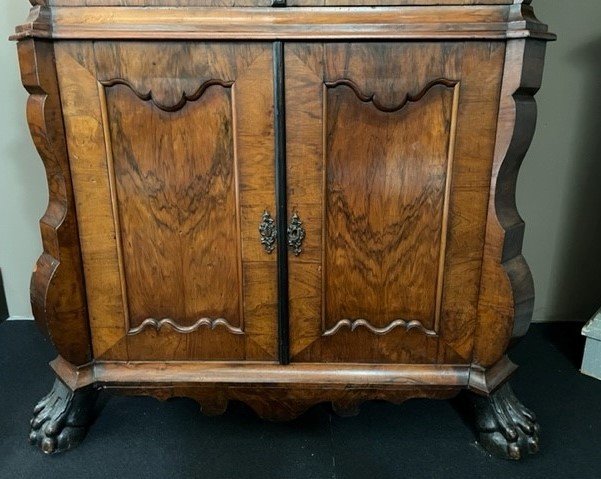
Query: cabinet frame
57, 286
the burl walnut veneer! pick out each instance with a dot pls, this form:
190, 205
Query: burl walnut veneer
282, 206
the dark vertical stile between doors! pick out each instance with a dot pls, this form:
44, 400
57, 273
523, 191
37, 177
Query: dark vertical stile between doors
281, 201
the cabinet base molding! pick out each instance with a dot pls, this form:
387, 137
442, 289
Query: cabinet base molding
296, 386
280, 393
485, 381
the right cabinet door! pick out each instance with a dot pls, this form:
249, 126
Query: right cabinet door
389, 156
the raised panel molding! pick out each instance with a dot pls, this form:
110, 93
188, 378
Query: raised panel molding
390, 108
170, 323
387, 107
229, 145
398, 323
154, 195
164, 104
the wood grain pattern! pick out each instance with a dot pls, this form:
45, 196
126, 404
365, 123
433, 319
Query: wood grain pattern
382, 248
57, 288
310, 375
184, 189
178, 208
507, 290
493, 22
273, 391
255, 3
352, 282
404, 123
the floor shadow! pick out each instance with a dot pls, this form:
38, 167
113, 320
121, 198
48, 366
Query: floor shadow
567, 339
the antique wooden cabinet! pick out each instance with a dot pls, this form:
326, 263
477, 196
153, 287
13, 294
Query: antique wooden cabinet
282, 204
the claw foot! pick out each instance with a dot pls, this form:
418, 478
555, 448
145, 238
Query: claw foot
61, 419
505, 427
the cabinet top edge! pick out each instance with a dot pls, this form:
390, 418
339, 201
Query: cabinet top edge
452, 22
259, 3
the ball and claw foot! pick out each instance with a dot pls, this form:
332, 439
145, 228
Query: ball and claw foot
505, 427
61, 419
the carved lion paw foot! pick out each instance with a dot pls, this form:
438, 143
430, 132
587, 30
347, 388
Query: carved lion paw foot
61, 419
505, 426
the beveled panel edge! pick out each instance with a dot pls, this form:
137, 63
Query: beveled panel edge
110, 163
493, 22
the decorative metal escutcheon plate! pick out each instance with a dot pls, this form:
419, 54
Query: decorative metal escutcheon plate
296, 235
268, 232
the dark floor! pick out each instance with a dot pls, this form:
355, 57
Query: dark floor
144, 438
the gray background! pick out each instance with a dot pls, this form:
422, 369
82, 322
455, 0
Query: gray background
558, 192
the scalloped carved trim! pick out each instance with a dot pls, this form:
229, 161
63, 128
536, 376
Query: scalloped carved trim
372, 98
167, 322
285, 404
398, 323
185, 98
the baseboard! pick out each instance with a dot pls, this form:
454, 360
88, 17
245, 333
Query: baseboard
20, 318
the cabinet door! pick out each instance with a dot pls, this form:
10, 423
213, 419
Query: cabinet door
390, 147
171, 150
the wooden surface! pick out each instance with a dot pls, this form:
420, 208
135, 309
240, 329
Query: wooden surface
405, 22
274, 392
170, 196
58, 297
393, 194
402, 158
255, 3
507, 291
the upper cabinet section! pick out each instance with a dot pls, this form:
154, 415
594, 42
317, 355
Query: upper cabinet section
293, 20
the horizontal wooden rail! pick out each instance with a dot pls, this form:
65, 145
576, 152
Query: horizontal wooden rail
307, 23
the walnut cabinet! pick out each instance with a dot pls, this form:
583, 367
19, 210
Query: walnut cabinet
282, 204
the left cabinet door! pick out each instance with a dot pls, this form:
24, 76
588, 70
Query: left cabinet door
171, 152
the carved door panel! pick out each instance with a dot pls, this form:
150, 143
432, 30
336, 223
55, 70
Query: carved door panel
171, 150
389, 155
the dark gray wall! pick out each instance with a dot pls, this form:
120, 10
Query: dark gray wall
559, 194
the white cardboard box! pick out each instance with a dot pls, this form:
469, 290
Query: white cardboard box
591, 363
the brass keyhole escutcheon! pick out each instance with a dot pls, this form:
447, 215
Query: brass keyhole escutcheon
296, 234
268, 232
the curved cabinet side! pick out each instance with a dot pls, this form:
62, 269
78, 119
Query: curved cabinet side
506, 289
57, 286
